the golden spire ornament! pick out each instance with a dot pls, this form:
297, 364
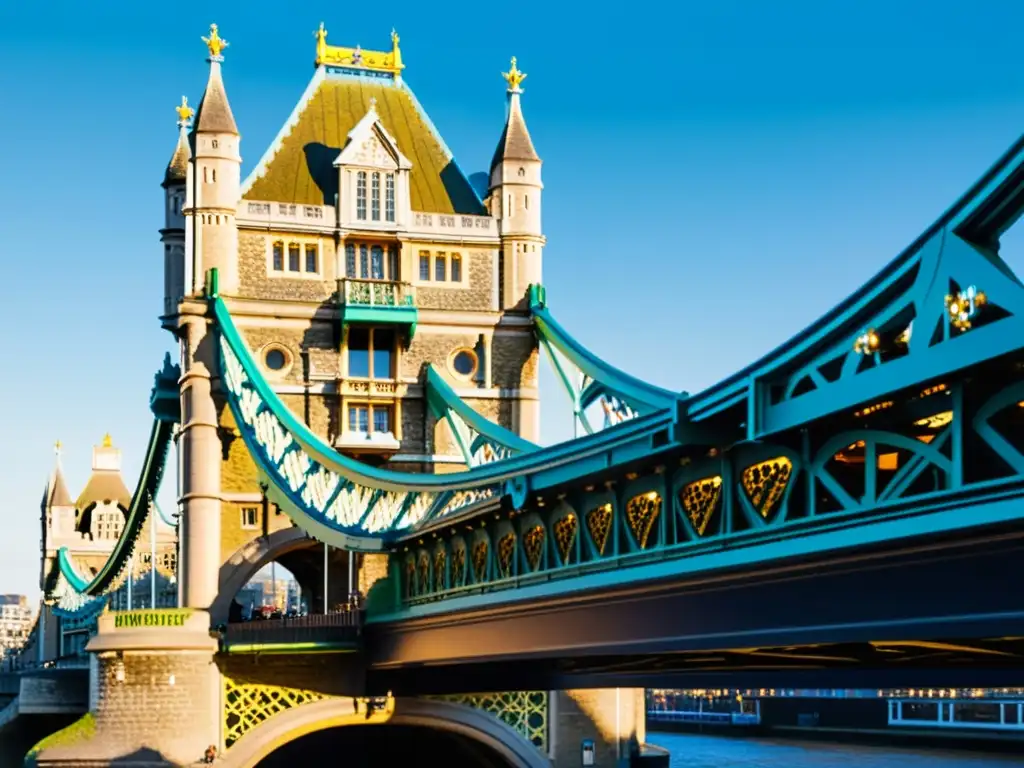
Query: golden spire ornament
184, 111
56, 447
108, 441
215, 44
514, 77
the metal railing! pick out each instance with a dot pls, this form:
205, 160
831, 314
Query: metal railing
375, 293
338, 626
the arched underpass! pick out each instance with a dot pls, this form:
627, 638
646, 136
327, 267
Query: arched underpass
385, 746
406, 732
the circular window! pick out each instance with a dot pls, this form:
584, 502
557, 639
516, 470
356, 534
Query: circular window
464, 363
276, 359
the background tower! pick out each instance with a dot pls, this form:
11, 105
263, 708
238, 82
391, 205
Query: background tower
515, 198
173, 233
211, 232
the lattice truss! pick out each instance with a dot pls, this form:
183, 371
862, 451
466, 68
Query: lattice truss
247, 706
524, 711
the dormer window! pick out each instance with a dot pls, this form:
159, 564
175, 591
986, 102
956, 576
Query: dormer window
361, 195
373, 195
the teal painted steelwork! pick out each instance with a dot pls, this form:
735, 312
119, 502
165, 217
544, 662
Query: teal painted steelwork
377, 302
480, 440
75, 594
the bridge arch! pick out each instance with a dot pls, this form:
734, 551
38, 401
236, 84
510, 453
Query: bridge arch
459, 719
249, 559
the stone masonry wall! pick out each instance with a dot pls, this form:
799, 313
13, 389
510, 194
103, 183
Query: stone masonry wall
256, 283
168, 702
478, 295
604, 716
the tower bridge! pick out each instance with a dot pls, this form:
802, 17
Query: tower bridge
360, 328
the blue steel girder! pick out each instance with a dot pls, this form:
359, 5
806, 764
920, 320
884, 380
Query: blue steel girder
940, 459
905, 308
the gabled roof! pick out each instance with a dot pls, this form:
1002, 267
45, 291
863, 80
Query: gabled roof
298, 168
104, 485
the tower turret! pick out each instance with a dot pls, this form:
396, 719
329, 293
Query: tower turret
173, 233
515, 197
214, 182
57, 514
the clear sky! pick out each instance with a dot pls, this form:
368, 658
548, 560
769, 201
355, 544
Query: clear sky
716, 175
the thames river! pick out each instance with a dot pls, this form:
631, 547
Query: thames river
699, 751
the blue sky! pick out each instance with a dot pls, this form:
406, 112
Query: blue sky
716, 175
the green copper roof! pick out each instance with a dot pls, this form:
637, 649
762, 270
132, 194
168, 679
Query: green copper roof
301, 170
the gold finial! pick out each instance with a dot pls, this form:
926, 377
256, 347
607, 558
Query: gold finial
514, 77
321, 43
216, 44
394, 38
108, 442
184, 111
57, 447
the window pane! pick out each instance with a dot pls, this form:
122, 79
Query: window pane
440, 268
377, 262
358, 418
381, 418
424, 265
359, 352
278, 257
392, 263
311, 259
375, 197
350, 260
456, 268
364, 262
361, 195
293, 257
389, 200
383, 350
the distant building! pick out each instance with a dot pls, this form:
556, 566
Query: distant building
89, 528
16, 617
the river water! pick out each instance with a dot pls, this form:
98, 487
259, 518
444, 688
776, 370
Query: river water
700, 751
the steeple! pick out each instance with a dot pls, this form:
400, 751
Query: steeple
214, 114
515, 199
515, 142
177, 169
56, 489
213, 185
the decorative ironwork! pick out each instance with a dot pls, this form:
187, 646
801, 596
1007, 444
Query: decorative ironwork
641, 513
963, 307
506, 554
525, 711
599, 523
566, 530
424, 572
765, 483
700, 499
533, 546
247, 706
459, 566
480, 552
440, 559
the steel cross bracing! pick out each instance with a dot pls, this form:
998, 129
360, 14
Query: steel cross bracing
941, 309
76, 597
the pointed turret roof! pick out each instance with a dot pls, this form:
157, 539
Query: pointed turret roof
105, 482
515, 142
56, 488
177, 169
214, 115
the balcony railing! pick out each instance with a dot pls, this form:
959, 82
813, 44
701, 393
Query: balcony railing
342, 627
375, 293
